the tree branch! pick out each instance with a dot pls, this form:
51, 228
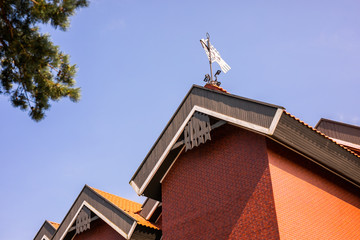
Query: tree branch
3, 16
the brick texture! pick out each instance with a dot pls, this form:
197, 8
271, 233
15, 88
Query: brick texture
159, 222
221, 190
310, 202
99, 230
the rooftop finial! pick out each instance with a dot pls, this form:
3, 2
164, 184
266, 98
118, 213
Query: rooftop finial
214, 56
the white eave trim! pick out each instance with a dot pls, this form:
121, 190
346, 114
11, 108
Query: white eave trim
132, 229
45, 237
182, 149
135, 187
111, 224
346, 144
152, 210
275, 121
235, 121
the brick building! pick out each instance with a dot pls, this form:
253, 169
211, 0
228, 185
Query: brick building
227, 167
96, 215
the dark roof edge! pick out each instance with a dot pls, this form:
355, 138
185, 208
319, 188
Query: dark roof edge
50, 224
161, 134
276, 130
39, 229
323, 134
112, 204
42, 226
145, 202
328, 163
87, 187
108, 201
148, 208
60, 225
336, 122
177, 110
239, 97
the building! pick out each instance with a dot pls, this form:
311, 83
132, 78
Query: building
342, 133
227, 167
47, 230
95, 215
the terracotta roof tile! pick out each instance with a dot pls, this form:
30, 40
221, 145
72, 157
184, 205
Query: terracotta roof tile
215, 87
130, 207
322, 134
54, 224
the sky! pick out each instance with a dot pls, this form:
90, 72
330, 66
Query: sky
137, 60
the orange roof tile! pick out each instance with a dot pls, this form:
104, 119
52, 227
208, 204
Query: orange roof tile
54, 224
130, 207
305, 124
215, 87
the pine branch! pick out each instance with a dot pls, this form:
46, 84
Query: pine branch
3, 43
32, 69
6, 20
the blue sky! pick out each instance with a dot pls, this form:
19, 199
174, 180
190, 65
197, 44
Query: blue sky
137, 60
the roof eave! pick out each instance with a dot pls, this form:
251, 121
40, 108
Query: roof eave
94, 201
43, 231
225, 106
254, 115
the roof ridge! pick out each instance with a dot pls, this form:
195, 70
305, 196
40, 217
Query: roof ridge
215, 87
54, 224
339, 123
95, 189
131, 212
322, 134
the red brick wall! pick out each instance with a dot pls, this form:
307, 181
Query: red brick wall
99, 230
159, 222
310, 202
220, 190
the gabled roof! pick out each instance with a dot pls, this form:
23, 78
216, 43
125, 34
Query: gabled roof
119, 213
151, 209
54, 224
46, 231
269, 120
345, 134
130, 207
336, 141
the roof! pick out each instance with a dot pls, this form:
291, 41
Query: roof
323, 133
46, 230
119, 213
130, 207
215, 87
220, 105
54, 224
346, 133
266, 119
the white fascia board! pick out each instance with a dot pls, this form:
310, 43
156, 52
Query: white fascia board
346, 144
165, 153
45, 237
132, 229
182, 149
152, 210
135, 187
275, 121
235, 121
111, 224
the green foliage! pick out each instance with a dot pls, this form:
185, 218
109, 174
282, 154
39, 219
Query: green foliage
32, 69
